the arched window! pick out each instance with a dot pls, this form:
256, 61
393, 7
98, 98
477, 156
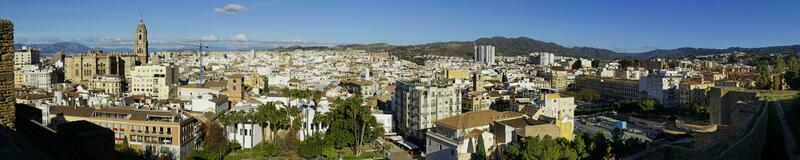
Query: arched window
140, 37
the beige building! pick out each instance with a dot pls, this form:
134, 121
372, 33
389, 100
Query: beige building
19, 74
26, 56
362, 88
235, 87
167, 131
455, 74
457, 137
694, 92
611, 88
110, 84
154, 80
476, 101
83, 67
558, 80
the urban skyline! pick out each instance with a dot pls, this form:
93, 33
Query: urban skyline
491, 98
624, 26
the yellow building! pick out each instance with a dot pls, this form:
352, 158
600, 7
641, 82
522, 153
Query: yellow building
110, 84
167, 131
455, 74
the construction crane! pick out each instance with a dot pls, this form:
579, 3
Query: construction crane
200, 46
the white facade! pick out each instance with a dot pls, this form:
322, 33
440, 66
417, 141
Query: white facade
26, 56
439, 147
209, 103
39, 78
189, 92
246, 134
554, 106
662, 86
544, 58
154, 81
484, 54
420, 104
385, 120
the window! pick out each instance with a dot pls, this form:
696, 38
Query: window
453, 152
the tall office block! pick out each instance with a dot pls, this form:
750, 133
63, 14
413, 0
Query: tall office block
484, 54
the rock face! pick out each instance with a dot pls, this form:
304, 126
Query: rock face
7, 110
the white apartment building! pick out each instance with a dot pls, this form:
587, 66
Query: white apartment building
40, 78
543, 58
26, 56
552, 105
662, 86
632, 73
419, 104
484, 54
154, 81
209, 103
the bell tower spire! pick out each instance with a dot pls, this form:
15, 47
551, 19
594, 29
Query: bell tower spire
140, 48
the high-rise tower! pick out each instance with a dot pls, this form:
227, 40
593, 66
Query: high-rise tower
7, 110
140, 46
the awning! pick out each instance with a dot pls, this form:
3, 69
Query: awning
408, 145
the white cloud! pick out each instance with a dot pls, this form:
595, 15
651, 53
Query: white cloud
230, 9
209, 38
239, 37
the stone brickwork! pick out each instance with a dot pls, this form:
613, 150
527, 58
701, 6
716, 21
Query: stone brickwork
7, 110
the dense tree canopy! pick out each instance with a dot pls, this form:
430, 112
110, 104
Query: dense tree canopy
352, 125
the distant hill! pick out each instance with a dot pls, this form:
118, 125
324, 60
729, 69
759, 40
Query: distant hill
524, 45
504, 47
686, 51
67, 47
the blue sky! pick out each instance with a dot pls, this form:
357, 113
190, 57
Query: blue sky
621, 25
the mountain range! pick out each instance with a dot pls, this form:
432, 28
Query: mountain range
524, 45
504, 47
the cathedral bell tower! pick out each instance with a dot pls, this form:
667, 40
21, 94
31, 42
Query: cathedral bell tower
140, 45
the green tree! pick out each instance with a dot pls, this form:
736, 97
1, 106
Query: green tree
579, 144
763, 79
600, 147
214, 139
779, 65
577, 65
313, 146
793, 64
648, 106
480, 154
269, 116
617, 141
588, 95
595, 63
353, 124
625, 63
265, 88
792, 76
698, 111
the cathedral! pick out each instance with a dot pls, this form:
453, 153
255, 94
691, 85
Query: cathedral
140, 46
84, 67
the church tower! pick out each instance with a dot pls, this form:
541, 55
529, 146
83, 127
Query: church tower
140, 46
